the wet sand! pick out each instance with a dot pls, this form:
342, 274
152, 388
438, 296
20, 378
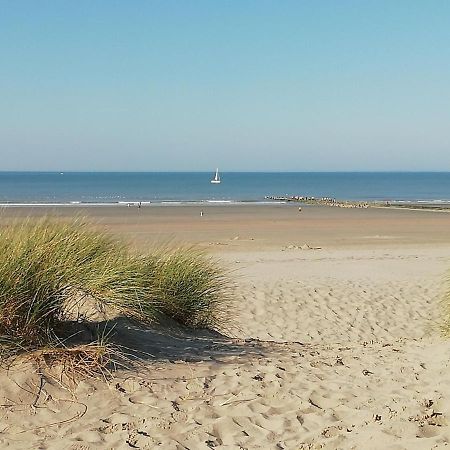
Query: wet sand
262, 226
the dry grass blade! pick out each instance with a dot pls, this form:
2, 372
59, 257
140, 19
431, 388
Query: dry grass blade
445, 305
73, 363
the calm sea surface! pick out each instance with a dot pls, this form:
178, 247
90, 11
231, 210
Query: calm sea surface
101, 187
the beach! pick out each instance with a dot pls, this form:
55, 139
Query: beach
336, 342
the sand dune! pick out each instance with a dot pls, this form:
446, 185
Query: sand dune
337, 348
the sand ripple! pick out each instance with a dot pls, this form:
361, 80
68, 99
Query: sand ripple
336, 311
321, 361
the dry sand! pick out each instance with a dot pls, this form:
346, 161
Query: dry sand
336, 347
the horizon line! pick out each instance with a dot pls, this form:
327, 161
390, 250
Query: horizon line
62, 171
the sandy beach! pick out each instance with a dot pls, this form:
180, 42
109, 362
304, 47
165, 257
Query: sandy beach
336, 341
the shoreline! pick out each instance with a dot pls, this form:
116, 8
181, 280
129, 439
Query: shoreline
135, 203
420, 205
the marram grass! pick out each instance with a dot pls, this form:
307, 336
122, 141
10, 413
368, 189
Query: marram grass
46, 265
445, 308
190, 286
48, 268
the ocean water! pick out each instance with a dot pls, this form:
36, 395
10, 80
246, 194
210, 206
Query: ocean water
117, 187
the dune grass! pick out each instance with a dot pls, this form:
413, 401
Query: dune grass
445, 309
190, 286
46, 265
49, 268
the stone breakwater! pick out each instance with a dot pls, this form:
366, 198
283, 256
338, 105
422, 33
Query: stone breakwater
329, 201
326, 201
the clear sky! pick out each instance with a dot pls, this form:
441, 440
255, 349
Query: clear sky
243, 85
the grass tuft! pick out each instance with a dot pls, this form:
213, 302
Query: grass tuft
444, 323
47, 265
53, 273
190, 286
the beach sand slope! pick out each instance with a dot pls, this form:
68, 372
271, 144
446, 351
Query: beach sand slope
321, 358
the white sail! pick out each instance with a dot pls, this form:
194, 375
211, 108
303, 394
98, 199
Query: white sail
216, 179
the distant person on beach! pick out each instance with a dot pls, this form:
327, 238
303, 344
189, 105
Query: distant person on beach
201, 213
139, 205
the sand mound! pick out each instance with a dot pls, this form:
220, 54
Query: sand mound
321, 361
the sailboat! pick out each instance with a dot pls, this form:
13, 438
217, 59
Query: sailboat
216, 179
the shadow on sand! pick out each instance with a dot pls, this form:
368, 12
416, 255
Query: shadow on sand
167, 341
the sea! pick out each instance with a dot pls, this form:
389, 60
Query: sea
106, 188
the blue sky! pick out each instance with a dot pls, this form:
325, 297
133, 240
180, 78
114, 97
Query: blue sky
243, 85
